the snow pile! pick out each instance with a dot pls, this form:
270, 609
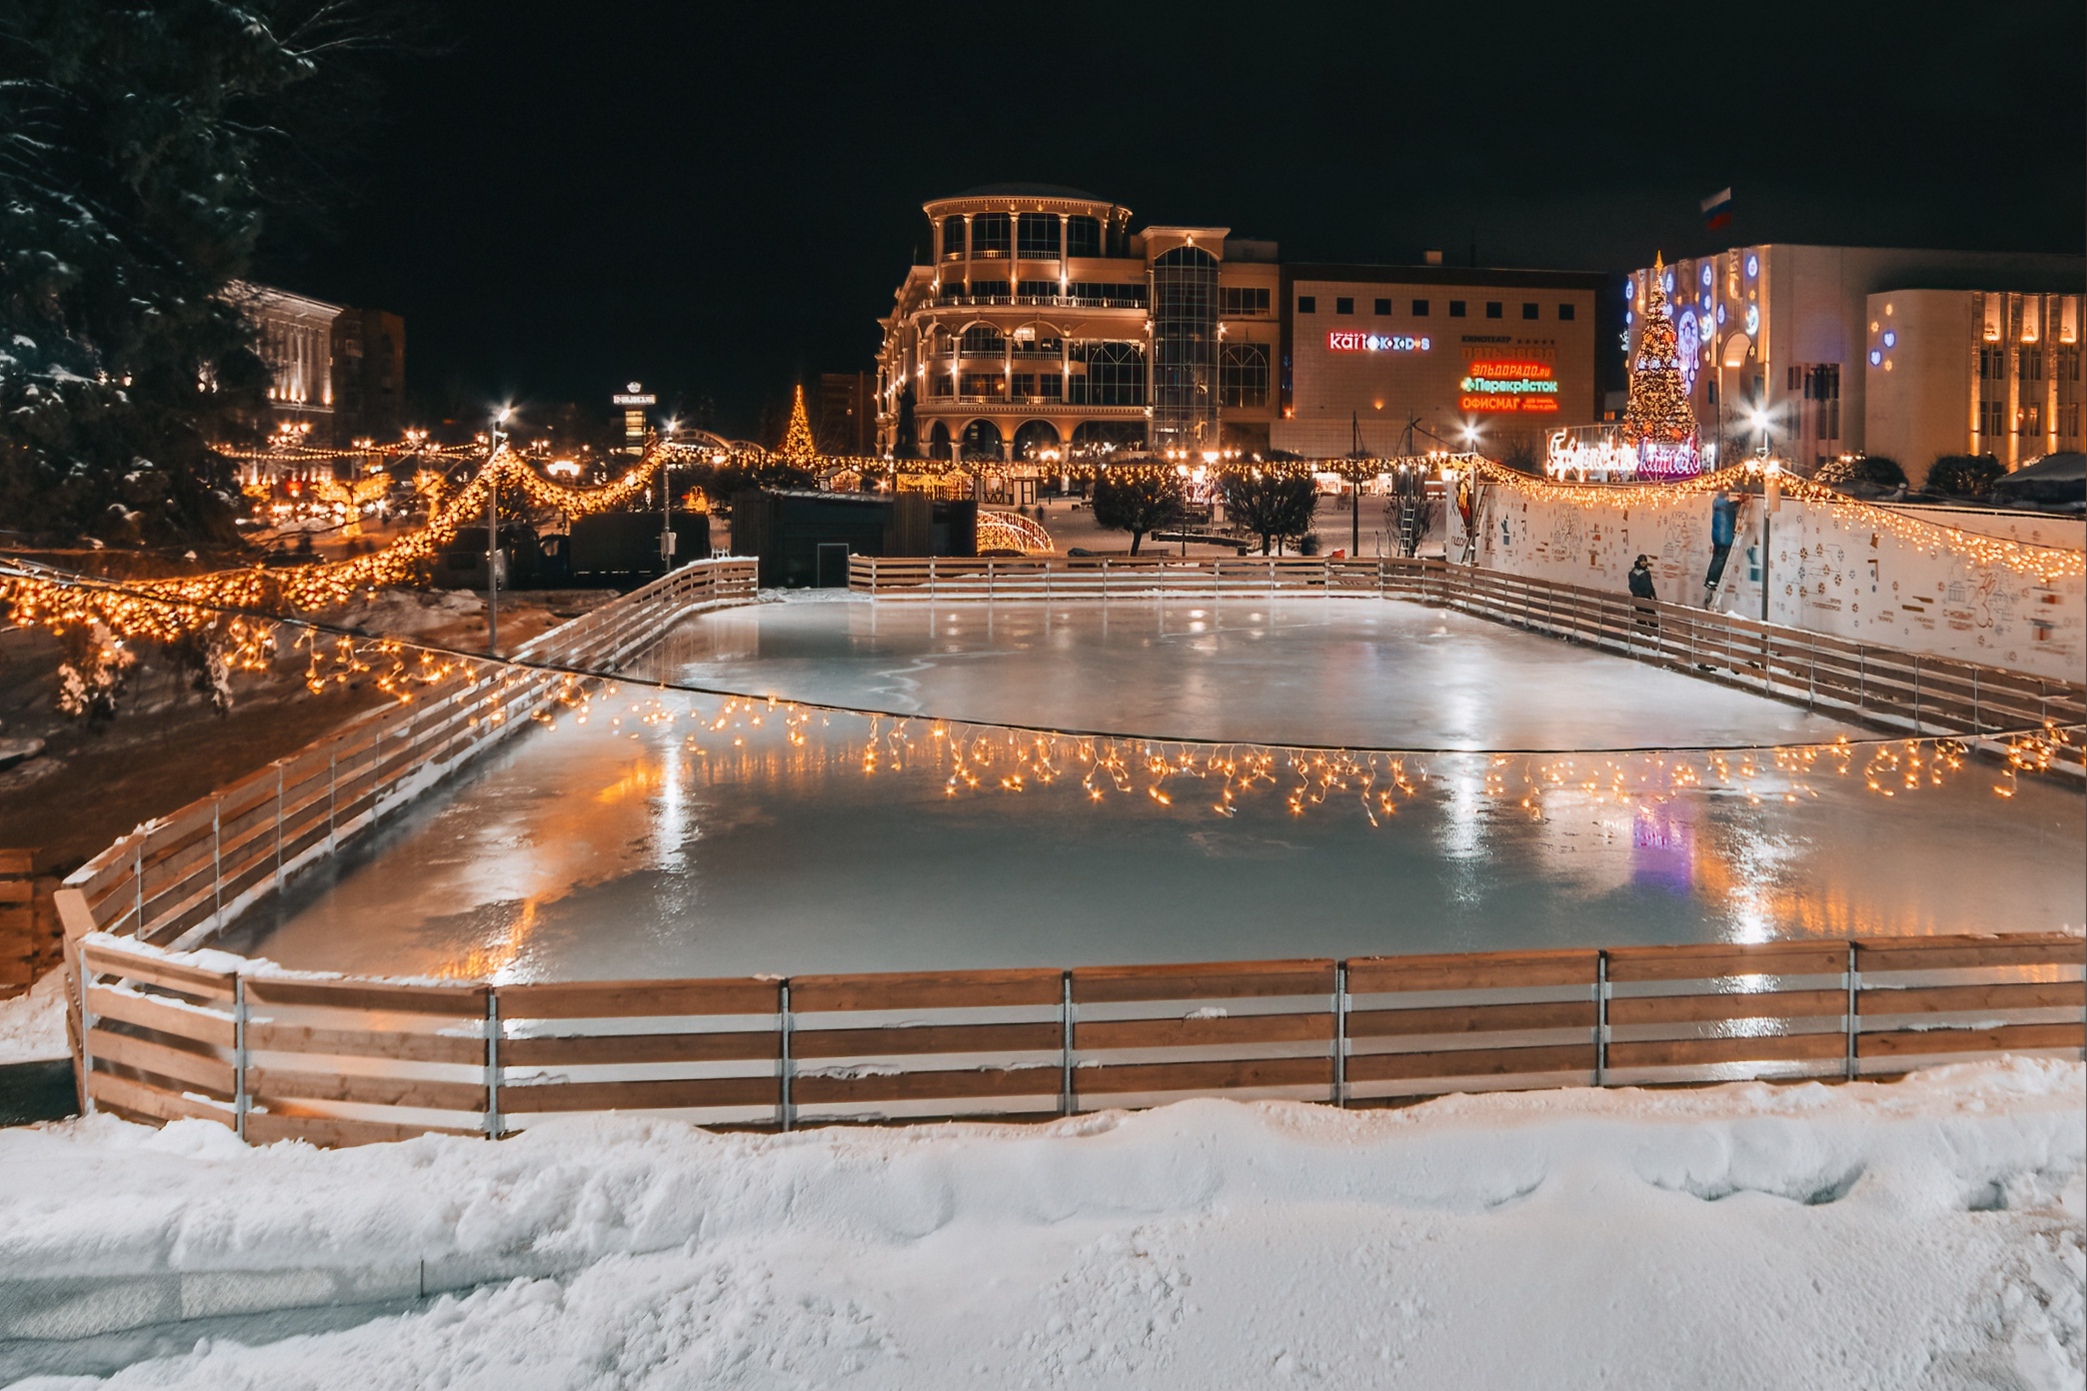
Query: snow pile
1922, 1234
32, 1025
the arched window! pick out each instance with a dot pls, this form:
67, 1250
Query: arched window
981, 440
1114, 375
990, 234
938, 441
1036, 236
952, 238
1083, 236
983, 340
1089, 436
1034, 438
1242, 374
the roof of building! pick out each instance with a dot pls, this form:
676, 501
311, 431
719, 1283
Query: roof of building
1024, 190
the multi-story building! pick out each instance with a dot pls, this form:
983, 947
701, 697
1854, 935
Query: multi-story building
1400, 359
1043, 323
847, 413
1972, 372
1775, 338
337, 374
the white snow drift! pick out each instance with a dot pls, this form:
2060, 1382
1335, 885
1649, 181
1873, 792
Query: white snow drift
1920, 1234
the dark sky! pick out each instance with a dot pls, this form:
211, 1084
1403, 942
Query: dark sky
718, 199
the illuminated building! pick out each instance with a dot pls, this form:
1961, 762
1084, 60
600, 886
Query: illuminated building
1041, 323
1774, 341
1485, 358
1972, 372
335, 373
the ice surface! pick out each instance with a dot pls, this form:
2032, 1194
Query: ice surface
636, 845
1925, 1234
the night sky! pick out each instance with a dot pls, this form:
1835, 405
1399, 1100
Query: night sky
720, 199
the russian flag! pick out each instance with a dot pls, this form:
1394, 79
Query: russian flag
1717, 210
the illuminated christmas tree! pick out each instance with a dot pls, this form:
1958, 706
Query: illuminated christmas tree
1658, 418
798, 447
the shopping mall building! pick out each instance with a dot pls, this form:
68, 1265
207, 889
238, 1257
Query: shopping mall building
1043, 323
1817, 351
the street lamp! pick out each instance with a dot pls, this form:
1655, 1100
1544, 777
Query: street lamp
497, 438
666, 499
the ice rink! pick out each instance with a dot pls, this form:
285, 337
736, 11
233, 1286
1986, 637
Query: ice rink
645, 842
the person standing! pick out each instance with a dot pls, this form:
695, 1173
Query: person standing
1642, 592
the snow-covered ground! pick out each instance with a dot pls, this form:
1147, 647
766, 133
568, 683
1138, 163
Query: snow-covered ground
1924, 1234
32, 1025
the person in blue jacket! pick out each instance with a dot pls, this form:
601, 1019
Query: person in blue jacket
1724, 521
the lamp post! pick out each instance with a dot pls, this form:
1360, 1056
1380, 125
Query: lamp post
666, 501
493, 531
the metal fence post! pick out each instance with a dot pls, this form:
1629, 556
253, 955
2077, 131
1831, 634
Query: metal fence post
1340, 1033
1601, 1019
242, 1102
1854, 1025
1065, 1098
784, 1118
493, 1121
217, 862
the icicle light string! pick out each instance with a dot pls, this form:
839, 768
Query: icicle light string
975, 756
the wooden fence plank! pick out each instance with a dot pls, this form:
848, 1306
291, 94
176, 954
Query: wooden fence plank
1683, 1052
1884, 954
161, 1015
926, 990
282, 1084
1937, 999
161, 1059
1471, 1062
1207, 980
156, 1103
2008, 1037
333, 1132
266, 1036
675, 1094
1709, 961
1203, 1077
942, 1038
596, 1049
1682, 1009
1472, 1019
623, 999
1201, 1033
813, 1089
447, 1000
1471, 971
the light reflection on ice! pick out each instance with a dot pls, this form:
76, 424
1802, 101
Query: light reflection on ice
626, 848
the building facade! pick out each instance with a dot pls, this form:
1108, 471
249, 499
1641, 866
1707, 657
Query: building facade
847, 413
336, 374
1404, 359
1972, 372
1043, 324
1775, 338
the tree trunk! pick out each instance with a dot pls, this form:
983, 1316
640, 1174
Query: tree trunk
1135, 537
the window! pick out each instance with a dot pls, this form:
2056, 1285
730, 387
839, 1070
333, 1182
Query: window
989, 234
2032, 365
1492, 309
1307, 304
952, 238
1420, 309
1530, 311
1565, 312
1037, 289
1083, 236
1383, 308
941, 384
1456, 309
1036, 236
1242, 375
1114, 375
1022, 386
1344, 304
990, 385
983, 340
1050, 386
1243, 301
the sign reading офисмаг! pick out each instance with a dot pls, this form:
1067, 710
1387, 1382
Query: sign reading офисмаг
1354, 340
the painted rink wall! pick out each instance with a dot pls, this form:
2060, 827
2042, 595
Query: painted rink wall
1831, 570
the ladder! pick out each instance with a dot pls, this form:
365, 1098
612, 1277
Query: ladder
1712, 593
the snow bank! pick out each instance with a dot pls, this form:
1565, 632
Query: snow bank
1922, 1234
32, 1025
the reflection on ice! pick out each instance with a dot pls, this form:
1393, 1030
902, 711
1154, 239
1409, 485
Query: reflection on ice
645, 841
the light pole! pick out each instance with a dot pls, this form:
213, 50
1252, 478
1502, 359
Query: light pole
666, 502
493, 531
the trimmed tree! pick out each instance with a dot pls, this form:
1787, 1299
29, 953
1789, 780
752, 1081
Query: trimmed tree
1965, 475
1138, 502
1270, 503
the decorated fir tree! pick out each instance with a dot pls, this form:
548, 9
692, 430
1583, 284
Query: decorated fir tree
798, 448
1658, 413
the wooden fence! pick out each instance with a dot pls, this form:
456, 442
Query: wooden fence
28, 921
1883, 686
284, 1055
